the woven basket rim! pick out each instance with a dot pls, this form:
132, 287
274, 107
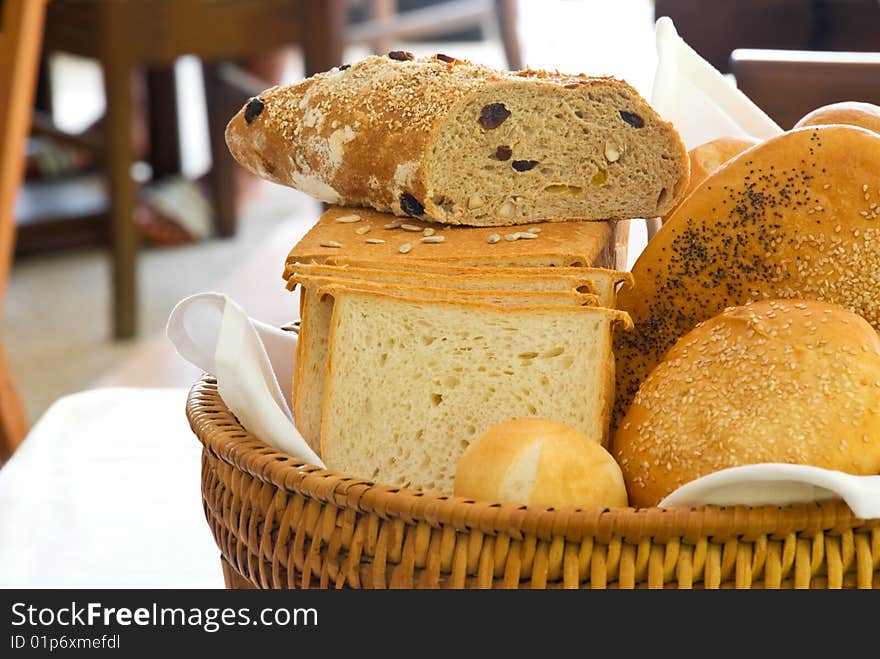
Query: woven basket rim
221, 434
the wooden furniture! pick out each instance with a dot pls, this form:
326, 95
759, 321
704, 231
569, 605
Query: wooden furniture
787, 84
386, 26
129, 35
834, 25
20, 32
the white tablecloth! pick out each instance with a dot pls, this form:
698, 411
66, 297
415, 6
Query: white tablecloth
105, 491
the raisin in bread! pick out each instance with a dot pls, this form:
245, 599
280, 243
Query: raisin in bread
316, 312
460, 143
412, 381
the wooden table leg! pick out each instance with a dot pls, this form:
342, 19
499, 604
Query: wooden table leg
324, 35
13, 424
222, 104
123, 237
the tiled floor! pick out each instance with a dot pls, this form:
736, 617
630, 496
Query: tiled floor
56, 318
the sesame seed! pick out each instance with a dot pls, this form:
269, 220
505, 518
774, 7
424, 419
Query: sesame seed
433, 239
374, 241
405, 248
348, 219
331, 243
393, 225
493, 238
362, 230
411, 227
428, 232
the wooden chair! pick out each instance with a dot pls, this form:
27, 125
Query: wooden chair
787, 84
21, 26
125, 35
385, 25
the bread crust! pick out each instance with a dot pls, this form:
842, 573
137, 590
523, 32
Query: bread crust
708, 158
790, 218
783, 381
557, 244
852, 113
571, 470
362, 135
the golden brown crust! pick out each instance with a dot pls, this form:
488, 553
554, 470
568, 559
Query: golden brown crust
619, 319
787, 381
792, 217
466, 278
570, 469
863, 115
707, 158
558, 243
502, 296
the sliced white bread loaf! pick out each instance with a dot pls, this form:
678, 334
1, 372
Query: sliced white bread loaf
412, 381
605, 282
316, 312
459, 143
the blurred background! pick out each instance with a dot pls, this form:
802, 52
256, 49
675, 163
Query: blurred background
130, 202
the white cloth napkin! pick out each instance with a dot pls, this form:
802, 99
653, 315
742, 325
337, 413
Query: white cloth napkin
253, 364
700, 102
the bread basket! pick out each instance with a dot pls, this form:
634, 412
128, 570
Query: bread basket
280, 523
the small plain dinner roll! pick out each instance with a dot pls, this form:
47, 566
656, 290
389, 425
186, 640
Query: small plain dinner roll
541, 463
791, 381
853, 113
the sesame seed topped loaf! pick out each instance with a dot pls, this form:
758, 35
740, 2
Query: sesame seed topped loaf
371, 235
786, 381
412, 381
459, 143
794, 217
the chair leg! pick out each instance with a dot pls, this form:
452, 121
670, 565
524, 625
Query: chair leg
162, 117
222, 103
505, 10
324, 31
13, 423
123, 237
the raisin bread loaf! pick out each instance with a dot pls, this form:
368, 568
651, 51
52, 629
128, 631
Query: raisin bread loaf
412, 381
316, 312
460, 143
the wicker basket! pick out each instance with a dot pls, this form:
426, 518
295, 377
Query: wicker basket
280, 523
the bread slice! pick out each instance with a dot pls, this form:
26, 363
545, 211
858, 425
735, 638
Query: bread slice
459, 143
339, 232
580, 280
316, 312
412, 381
796, 216
604, 282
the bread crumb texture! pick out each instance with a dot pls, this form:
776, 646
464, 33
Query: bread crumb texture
789, 381
795, 217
